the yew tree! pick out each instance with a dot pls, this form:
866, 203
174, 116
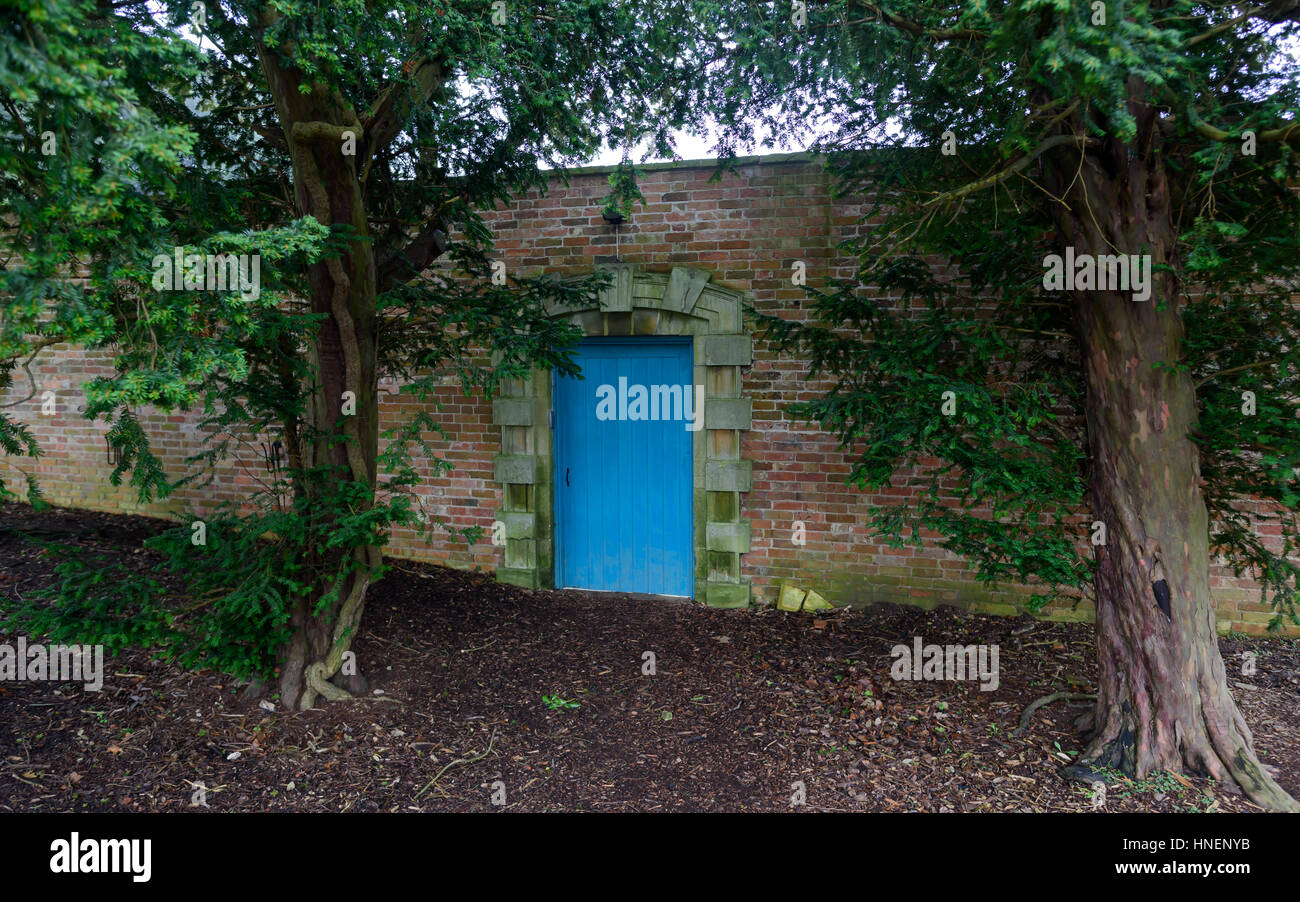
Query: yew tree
1097, 432
84, 174
353, 146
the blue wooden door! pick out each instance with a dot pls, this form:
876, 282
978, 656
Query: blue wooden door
623, 479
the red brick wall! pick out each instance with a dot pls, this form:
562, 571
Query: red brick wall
746, 229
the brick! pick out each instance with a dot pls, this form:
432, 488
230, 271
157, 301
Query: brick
699, 242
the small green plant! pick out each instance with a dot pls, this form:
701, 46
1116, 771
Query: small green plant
1092, 794
1124, 786
623, 192
556, 703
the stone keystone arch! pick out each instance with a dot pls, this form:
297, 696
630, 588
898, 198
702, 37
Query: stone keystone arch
683, 302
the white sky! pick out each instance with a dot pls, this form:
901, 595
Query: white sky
692, 147
689, 147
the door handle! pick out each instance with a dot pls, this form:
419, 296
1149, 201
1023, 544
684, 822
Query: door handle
566, 476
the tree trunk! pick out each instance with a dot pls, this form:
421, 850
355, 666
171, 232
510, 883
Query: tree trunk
343, 357
1163, 701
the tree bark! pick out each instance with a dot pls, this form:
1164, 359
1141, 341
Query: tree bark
1163, 701
343, 357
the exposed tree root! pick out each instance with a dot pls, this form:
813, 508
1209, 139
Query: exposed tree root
1047, 700
450, 764
1221, 752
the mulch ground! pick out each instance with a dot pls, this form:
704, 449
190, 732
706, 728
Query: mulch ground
743, 705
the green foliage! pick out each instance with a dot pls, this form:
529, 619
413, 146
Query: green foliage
84, 170
176, 138
1243, 335
226, 603
100, 601
162, 141
556, 703
886, 85
624, 192
209, 346
998, 481
16, 439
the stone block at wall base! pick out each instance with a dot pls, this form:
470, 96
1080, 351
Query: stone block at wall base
525, 578
727, 595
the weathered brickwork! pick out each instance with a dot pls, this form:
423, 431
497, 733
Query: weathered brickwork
744, 232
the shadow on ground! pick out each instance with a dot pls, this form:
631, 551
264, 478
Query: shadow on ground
742, 708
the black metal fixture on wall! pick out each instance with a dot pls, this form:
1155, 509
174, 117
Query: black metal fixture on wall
614, 217
622, 195
271, 455
113, 453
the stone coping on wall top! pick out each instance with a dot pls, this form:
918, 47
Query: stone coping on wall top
772, 159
